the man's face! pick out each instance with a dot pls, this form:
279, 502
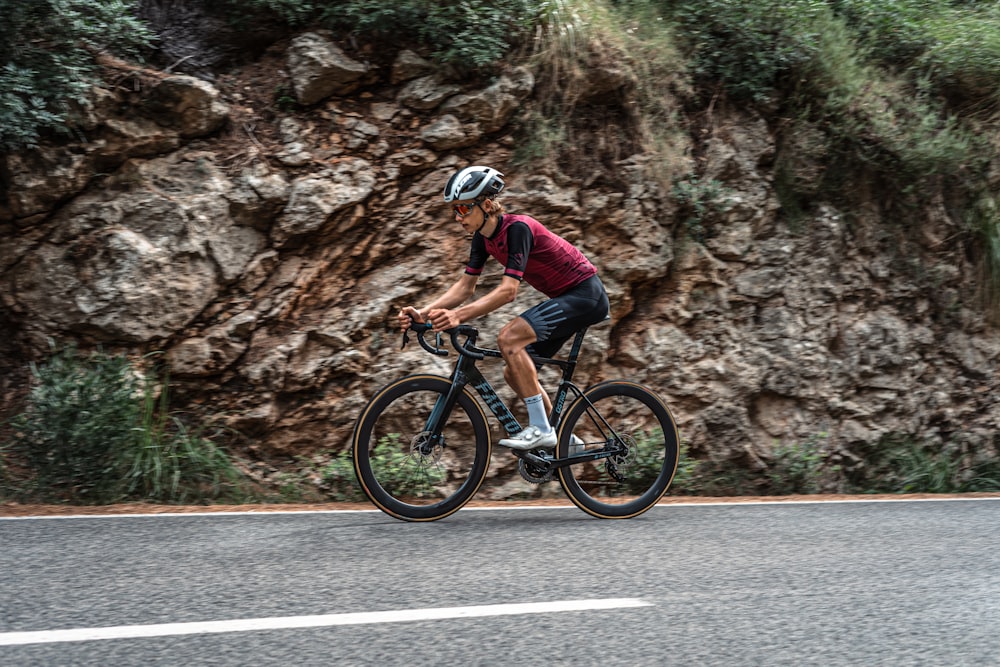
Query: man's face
468, 215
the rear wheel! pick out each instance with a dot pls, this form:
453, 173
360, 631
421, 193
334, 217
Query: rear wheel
635, 427
411, 470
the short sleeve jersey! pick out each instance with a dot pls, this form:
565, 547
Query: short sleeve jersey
530, 252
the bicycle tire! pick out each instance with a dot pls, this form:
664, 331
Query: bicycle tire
400, 470
643, 425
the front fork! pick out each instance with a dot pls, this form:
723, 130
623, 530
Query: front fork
444, 405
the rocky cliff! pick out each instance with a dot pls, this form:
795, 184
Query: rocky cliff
265, 241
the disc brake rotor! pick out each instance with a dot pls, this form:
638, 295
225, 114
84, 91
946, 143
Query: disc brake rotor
424, 450
619, 464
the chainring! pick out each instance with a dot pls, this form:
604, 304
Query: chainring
533, 473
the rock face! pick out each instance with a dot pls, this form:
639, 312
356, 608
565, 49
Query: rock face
269, 269
139, 259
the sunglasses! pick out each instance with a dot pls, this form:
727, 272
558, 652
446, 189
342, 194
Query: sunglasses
463, 209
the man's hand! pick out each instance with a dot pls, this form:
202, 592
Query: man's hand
406, 316
443, 318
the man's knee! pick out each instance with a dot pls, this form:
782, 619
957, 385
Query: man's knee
515, 336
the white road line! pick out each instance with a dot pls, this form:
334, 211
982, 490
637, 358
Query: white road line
328, 620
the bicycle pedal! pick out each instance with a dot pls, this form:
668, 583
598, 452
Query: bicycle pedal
538, 457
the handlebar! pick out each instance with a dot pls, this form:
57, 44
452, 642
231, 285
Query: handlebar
467, 348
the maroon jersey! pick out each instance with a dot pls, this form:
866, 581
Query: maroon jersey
531, 252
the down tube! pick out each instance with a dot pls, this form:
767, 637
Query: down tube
493, 402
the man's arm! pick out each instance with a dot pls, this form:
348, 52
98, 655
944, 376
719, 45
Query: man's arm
519, 243
443, 317
456, 295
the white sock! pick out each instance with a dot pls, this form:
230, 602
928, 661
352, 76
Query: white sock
536, 413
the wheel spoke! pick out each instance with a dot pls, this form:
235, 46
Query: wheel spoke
636, 429
412, 473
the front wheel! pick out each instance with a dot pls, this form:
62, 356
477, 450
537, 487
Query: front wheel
635, 428
415, 459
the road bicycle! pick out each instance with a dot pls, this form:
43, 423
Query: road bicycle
421, 447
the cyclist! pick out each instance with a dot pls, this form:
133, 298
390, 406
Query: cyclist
529, 252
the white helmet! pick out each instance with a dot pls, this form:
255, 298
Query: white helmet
474, 183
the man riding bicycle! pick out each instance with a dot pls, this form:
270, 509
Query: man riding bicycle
530, 252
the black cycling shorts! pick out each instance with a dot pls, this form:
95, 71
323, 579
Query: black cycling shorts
556, 320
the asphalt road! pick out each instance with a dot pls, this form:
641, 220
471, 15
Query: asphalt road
860, 583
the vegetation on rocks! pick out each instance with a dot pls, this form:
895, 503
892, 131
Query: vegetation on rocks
864, 103
48, 51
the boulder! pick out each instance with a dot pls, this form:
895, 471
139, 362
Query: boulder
493, 107
319, 68
448, 133
425, 93
409, 65
316, 198
138, 261
189, 105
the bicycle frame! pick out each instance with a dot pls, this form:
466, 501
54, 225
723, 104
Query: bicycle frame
467, 373
601, 429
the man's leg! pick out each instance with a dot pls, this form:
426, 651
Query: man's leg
521, 374
519, 370
546, 327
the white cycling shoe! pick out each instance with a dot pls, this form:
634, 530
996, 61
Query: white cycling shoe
531, 438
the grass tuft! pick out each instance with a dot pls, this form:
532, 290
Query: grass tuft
97, 431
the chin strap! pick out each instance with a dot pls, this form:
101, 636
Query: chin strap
486, 218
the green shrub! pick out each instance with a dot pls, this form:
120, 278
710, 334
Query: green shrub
896, 126
566, 124
697, 200
797, 467
94, 431
467, 33
685, 473
47, 64
169, 461
645, 467
394, 467
397, 468
895, 30
964, 52
339, 479
80, 417
955, 44
901, 464
983, 218
748, 47
707, 477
